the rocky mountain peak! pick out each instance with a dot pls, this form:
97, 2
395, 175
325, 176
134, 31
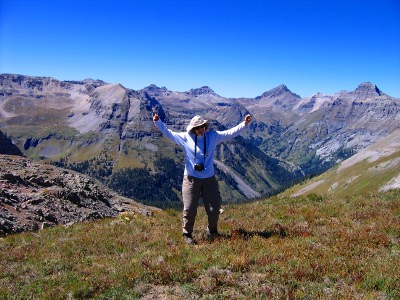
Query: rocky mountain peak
282, 88
204, 90
94, 81
279, 91
155, 88
92, 84
367, 90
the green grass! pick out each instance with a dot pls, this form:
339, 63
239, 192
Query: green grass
311, 247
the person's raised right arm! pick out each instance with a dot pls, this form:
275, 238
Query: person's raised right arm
176, 137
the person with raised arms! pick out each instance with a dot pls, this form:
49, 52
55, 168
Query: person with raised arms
199, 180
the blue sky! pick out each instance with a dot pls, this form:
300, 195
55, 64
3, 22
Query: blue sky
238, 48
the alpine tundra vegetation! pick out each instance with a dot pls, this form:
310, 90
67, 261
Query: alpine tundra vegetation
308, 247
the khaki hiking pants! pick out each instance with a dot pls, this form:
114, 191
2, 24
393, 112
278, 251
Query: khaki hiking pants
192, 189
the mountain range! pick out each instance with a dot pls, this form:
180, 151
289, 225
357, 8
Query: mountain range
106, 131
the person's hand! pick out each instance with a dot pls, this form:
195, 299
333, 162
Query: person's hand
156, 118
247, 119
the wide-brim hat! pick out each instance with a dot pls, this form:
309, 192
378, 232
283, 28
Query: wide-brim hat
196, 121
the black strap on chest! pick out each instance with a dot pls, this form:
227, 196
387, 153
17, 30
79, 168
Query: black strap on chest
204, 145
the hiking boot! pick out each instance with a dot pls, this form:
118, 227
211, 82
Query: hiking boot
212, 234
188, 239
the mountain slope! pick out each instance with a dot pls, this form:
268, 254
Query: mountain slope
375, 168
329, 129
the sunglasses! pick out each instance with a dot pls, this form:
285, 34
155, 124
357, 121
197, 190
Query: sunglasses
199, 127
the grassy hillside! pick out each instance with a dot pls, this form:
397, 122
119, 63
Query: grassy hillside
309, 247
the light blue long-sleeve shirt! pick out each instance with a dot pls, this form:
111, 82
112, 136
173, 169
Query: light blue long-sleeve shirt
187, 142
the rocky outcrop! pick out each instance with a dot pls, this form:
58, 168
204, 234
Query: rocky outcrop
35, 195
